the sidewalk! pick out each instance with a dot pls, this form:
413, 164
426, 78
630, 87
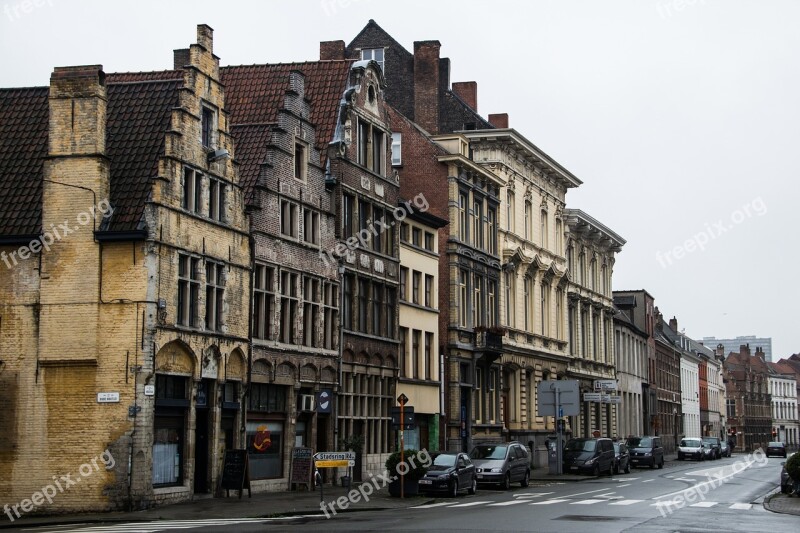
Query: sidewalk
782, 503
262, 505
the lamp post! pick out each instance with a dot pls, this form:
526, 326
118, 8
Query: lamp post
675, 424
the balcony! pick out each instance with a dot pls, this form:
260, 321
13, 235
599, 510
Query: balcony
489, 342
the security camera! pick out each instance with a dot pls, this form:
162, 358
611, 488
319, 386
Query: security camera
216, 155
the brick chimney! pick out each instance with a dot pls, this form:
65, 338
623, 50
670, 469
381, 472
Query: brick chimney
426, 85
205, 37
331, 50
744, 349
673, 323
499, 120
180, 58
467, 91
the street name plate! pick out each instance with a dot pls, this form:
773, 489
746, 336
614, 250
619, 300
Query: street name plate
592, 396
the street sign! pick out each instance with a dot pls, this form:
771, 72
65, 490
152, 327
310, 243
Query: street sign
606, 398
408, 417
402, 399
324, 401
568, 397
615, 399
107, 397
605, 384
592, 397
334, 464
334, 459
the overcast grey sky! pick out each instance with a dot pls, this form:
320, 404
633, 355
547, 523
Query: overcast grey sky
680, 116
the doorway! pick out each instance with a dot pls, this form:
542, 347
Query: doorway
201, 437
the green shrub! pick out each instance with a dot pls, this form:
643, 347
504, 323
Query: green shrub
416, 460
793, 466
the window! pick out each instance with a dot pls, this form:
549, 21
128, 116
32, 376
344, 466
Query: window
403, 352
300, 161
477, 223
510, 210
545, 311
377, 236
415, 339
415, 287
172, 401
429, 241
429, 291
416, 236
311, 226
391, 301
289, 221
527, 291
404, 232
363, 301
363, 143
216, 200
429, 361
559, 237
377, 309
403, 284
491, 305
462, 298
480, 399
311, 306
347, 303
364, 211
348, 205
192, 190
265, 447
491, 240
397, 146
462, 217
509, 283
559, 299
371, 147
207, 127
215, 292
375, 54
188, 290
528, 221
477, 301
263, 302
545, 230
289, 301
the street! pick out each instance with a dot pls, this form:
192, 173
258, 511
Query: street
723, 495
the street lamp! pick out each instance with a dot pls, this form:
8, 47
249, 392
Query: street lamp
675, 423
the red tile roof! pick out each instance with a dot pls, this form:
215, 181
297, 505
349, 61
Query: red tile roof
254, 93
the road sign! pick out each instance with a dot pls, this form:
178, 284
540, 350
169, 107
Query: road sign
324, 401
402, 399
615, 399
568, 397
605, 384
334, 464
606, 398
334, 459
408, 417
592, 396
560, 411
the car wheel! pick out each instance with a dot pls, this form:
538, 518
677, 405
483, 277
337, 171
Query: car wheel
506, 484
527, 479
454, 488
596, 471
474, 487
661, 464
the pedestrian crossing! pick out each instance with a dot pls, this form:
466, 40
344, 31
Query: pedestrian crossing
160, 525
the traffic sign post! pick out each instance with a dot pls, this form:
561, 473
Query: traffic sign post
402, 400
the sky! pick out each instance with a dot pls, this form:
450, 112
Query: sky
681, 117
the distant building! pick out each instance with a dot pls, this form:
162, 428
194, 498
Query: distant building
749, 403
732, 345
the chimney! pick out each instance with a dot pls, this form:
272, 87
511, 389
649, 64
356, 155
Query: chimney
499, 120
77, 111
205, 37
426, 85
673, 323
331, 50
467, 91
744, 349
180, 58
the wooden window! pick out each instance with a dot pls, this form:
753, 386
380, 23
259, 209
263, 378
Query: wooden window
188, 290
263, 302
215, 294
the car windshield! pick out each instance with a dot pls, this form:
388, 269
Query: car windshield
775, 445
710, 439
444, 460
488, 452
690, 443
579, 445
640, 442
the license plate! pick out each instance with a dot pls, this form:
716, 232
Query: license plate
425, 482
573, 468
479, 476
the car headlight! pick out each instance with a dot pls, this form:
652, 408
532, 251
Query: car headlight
588, 462
647, 454
496, 470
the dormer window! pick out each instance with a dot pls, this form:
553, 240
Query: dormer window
371, 147
376, 54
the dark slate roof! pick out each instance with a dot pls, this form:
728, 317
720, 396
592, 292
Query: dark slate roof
255, 93
251, 145
139, 115
24, 124
137, 121
156, 75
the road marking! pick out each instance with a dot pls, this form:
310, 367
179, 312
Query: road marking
606, 495
531, 494
431, 505
704, 504
713, 482
587, 492
625, 485
151, 527
548, 502
626, 502
468, 504
629, 478
741, 506
501, 504
587, 502
683, 479
648, 480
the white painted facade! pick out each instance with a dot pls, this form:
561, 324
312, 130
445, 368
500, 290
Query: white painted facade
783, 389
631, 356
690, 395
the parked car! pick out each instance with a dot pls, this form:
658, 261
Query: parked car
589, 456
691, 449
646, 450
786, 481
502, 464
709, 452
776, 448
450, 472
715, 445
724, 449
622, 459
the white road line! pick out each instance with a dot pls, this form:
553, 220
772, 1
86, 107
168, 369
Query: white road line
502, 504
626, 502
587, 492
531, 494
648, 480
605, 495
548, 502
625, 485
468, 504
704, 504
587, 502
684, 479
741, 506
629, 478
431, 505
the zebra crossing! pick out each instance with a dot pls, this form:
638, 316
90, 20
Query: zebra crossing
541, 499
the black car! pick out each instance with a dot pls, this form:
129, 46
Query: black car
715, 445
622, 459
646, 450
450, 472
589, 456
777, 449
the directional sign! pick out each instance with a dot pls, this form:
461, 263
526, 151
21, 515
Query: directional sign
616, 399
334, 464
606, 397
334, 459
592, 397
605, 384
567, 397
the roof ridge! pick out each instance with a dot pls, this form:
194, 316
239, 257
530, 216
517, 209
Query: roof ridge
289, 63
32, 87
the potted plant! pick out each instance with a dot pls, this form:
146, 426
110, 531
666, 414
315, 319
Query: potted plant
415, 468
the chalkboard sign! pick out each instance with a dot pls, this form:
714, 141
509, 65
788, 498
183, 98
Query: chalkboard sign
301, 466
235, 473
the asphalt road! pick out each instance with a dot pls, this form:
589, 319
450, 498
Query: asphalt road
724, 495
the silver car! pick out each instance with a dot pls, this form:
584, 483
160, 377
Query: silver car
502, 464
